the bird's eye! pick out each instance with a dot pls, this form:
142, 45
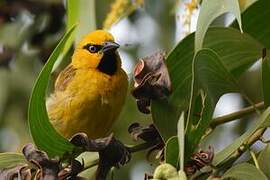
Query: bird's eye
93, 49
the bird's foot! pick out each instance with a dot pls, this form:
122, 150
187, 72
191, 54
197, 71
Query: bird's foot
112, 153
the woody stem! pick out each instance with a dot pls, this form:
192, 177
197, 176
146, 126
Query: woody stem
236, 115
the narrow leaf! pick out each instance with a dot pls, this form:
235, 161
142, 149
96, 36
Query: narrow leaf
181, 140
43, 133
209, 11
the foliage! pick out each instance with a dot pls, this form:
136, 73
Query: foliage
44, 135
202, 67
201, 78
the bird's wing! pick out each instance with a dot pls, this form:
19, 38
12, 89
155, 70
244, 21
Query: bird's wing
64, 78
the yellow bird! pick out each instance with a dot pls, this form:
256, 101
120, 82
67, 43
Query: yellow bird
90, 92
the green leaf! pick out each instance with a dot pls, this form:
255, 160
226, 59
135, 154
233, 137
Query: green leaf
43, 133
165, 117
229, 150
209, 11
81, 12
9, 160
202, 110
264, 159
255, 21
212, 79
244, 171
236, 51
212, 76
181, 140
172, 151
266, 78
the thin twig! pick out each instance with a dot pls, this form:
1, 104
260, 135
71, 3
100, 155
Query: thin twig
252, 139
131, 149
263, 140
140, 147
236, 115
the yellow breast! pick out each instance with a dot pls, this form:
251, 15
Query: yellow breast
89, 102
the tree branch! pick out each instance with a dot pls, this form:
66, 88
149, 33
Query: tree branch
236, 115
140, 147
130, 148
251, 140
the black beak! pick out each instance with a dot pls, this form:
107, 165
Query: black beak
110, 46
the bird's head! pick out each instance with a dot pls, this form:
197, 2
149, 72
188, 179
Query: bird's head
97, 50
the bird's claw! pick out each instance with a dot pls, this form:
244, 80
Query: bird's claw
112, 153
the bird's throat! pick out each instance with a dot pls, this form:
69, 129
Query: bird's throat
108, 63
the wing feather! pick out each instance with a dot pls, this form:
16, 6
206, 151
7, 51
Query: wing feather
64, 78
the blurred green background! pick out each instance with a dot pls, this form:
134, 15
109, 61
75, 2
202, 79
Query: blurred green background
30, 29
